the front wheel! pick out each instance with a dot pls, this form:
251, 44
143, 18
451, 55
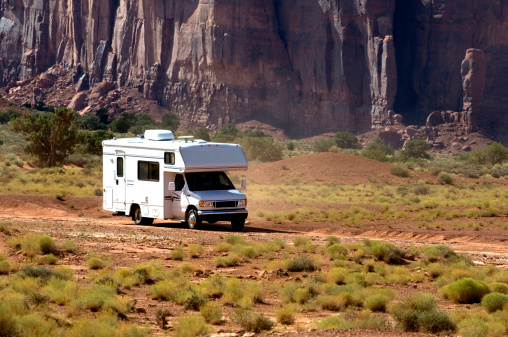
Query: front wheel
193, 220
238, 225
139, 219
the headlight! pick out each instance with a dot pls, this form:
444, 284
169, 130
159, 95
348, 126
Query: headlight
205, 203
242, 202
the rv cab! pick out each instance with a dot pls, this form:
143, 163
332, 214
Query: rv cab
159, 177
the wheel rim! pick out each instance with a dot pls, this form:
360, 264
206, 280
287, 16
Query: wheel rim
137, 215
192, 219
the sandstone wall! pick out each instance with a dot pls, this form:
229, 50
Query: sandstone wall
308, 66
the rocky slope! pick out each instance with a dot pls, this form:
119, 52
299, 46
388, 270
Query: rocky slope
307, 66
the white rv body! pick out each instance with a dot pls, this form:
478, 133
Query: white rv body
158, 177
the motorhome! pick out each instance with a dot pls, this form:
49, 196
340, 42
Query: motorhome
156, 176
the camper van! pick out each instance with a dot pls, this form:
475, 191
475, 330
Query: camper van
156, 176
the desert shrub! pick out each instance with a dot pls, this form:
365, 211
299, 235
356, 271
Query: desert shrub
163, 290
386, 252
93, 298
465, 290
234, 239
378, 150
347, 140
334, 322
477, 327
302, 263
337, 275
440, 253
336, 251
211, 312
498, 287
264, 149
409, 312
42, 273
32, 245
195, 250
376, 302
176, 254
416, 148
150, 273
492, 154
435, 322
191, 326
400, 171
445, 178
69, 247
230, 260
227, 134
60, 291
286, 315
242, 294
7, 115
161, 318
334, 302
171, 121
323, 144
494, 301
48, 259
5, 267
37, 325
213, 286
253, 322
95, 263
331, 240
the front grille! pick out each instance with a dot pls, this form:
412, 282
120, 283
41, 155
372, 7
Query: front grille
225, 204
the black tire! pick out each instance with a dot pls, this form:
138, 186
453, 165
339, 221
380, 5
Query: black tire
138, 218
238, 225
192, 219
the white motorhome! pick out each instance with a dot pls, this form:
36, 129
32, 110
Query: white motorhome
156, 176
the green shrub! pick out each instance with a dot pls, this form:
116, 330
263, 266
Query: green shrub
334, 322
445, 178
336, 251
323, 144
302, 263
176, 254
171, 121
195, 250
407, 313
331, 240
337, 275
95, 263
400, 171
492, 154
191, 326
378, 150
69, 247
465, 290
211, 312
347, 140
416, 148
386, 252
234, 239
230, 260
376, 303
32, 245
286, 315
264, 149
494, 301
435, 322
440, 253
498, 287
5, 267
334, 302
253, 322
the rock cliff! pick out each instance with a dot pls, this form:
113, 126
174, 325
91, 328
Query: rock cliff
307, 66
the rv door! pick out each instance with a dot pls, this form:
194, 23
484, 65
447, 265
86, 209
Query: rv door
119, 186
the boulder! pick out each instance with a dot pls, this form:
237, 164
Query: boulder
103, 88
391, 137
78, 101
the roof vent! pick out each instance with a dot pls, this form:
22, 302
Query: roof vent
159, 135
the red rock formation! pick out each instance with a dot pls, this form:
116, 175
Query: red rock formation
306, 66
473, 71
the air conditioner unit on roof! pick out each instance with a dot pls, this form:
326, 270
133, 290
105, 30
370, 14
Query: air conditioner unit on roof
159, 135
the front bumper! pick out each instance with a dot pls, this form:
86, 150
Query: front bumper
224, 215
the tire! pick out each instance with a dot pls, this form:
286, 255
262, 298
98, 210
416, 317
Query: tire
238, 225
138, 218
193, 220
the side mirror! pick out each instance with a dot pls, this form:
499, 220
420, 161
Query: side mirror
244, 183
171, 186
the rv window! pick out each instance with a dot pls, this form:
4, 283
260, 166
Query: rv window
169, 158
119, 167
179, 182
148, 171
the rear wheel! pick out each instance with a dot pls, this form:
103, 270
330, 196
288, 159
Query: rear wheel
193, 220
238, 224
139, 219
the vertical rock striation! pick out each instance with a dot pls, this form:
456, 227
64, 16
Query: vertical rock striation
307, 66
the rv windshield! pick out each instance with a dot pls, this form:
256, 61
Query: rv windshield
208, 181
